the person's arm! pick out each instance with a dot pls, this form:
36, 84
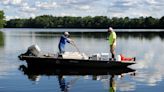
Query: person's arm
70, 41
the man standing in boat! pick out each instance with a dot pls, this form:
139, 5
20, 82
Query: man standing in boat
112, 41
63, 40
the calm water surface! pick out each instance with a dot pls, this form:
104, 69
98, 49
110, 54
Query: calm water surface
147, 48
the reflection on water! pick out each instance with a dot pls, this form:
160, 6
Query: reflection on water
148, 48
105, 75
141, 35
63, 85
1, 39
112, 84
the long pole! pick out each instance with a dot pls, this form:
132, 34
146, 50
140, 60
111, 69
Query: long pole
77, 49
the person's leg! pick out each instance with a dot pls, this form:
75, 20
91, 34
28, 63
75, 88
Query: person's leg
112, 47
61, 49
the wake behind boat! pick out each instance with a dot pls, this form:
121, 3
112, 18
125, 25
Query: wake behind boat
70, 59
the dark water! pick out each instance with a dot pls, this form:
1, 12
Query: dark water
148, 48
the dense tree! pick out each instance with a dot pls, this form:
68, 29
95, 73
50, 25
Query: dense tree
2, 17
48, 21
150, 22
87, 22
161, 22
16, 23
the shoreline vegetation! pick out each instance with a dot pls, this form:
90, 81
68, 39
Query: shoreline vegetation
89, 22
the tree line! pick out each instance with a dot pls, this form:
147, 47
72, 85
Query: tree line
49, 21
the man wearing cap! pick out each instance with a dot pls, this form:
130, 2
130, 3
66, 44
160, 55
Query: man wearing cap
112, 41
63, 40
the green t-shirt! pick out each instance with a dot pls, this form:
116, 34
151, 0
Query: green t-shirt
112, 36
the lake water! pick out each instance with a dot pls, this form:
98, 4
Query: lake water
148, 48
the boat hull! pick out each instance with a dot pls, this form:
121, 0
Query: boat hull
79, 63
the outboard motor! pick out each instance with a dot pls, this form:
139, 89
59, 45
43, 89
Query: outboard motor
33, 50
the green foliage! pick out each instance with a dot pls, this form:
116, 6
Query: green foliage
2, 21
161, 22
48, 21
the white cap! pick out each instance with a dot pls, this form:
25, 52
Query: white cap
110, 28
66, 33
